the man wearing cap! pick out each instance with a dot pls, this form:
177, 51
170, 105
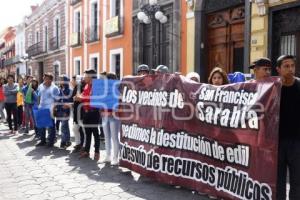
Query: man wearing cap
161, 69
91, 116
143, 70
262, 68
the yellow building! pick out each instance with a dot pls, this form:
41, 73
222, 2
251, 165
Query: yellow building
275, 29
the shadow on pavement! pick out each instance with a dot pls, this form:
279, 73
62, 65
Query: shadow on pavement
121, 179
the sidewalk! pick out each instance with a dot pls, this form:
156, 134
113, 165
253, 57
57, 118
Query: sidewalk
44, 173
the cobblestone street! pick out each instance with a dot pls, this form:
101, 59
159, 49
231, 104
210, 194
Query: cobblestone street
29, 172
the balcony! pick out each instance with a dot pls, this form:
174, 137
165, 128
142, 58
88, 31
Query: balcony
92, 34
54, 43
74, 2
9, 48
35, 49
76, 39
11, 61
114, 26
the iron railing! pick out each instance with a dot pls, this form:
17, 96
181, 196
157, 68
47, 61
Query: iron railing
35, 49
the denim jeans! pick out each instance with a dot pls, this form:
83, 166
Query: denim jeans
111, 128
11, 109
288, 159
28, 115
51, 132
65, 131
2, 109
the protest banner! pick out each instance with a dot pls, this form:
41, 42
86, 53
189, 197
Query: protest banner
105, 94
218, 140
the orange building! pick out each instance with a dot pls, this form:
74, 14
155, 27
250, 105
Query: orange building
100, 36
8, 59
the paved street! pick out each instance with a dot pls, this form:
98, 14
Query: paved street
43, 173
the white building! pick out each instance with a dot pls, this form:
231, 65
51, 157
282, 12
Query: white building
20, 49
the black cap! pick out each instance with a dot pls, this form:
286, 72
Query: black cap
143, 67
162, 69
90, 71
261, 62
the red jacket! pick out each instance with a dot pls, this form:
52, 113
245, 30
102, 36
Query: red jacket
86, 97
2, 97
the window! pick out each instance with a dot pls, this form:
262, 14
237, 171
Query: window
56, 72
56, 31
116, 8
118, 65
29, 40
94, 13
116, 62
94, 64
77, 20
37, 36
77, 65
18, 72
92, 34
29, 70
288, 45
46, 38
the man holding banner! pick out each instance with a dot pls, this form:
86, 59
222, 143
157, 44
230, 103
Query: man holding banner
213, 139
48, 93
289, 129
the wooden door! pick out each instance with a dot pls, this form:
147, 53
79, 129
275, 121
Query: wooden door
225, 39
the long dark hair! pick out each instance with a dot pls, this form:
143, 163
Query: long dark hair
34, 84
222, 72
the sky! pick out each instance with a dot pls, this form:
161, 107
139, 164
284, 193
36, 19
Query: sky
13, 11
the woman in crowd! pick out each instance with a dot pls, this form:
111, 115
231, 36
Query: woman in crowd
28, 102
10, 92
111, 127
2, 99
34, 84
218, 77
194, 76
77, 115
20, 101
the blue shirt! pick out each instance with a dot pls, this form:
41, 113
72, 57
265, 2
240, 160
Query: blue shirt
48, 95
10, 92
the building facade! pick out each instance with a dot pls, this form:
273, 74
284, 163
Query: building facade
20, 50
275, 30
45, 35
156, 43
222, 29
8, 53
100, 36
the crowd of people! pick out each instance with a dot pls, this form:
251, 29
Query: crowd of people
72, 97
65, 97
